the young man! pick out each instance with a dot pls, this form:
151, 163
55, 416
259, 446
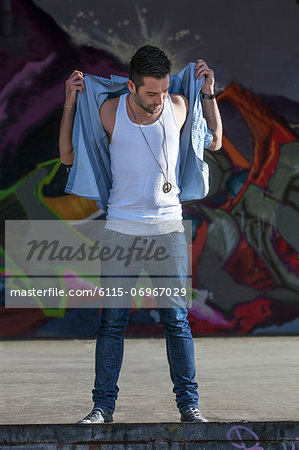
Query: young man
143, 128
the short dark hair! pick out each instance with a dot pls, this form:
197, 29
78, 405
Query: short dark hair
148, 61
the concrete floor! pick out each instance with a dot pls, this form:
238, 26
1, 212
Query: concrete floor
254, 379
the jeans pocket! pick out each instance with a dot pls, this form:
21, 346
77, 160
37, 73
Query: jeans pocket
178, 237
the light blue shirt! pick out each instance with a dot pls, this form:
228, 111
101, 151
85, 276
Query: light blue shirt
90, 175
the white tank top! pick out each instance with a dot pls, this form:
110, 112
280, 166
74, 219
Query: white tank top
137, 203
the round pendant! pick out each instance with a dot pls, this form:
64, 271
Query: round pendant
167, 187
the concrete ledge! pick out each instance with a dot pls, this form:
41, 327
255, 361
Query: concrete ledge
161, 436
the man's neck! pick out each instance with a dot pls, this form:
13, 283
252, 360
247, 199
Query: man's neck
143, 117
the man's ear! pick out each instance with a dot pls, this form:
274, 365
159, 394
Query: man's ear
131, 86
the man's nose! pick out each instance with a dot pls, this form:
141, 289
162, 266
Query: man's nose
160, 99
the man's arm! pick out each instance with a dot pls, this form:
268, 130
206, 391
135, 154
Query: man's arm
73, 84
108, 115
210, 107
180, 107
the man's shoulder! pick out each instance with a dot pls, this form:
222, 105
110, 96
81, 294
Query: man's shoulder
180, 108
179, 100
108, 114
109, 107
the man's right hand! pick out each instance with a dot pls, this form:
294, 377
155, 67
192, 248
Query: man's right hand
73, 84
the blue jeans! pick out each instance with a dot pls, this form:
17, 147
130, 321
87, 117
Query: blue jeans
113, 320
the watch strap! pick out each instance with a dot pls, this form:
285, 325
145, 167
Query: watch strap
207, 96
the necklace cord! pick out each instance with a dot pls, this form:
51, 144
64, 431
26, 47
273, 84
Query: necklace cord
166, 149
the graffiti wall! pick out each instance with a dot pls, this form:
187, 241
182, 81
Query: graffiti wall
245, 267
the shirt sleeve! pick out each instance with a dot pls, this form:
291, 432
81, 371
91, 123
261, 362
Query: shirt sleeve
208, 137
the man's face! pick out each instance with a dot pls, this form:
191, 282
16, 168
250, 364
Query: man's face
152, 94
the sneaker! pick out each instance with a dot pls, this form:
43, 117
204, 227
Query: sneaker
97, 416
192, 415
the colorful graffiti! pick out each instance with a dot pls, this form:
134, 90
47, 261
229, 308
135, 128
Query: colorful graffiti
245, 248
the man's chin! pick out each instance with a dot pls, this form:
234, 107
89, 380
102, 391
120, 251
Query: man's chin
154, 110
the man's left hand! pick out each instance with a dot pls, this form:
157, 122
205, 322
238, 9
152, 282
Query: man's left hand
201, 69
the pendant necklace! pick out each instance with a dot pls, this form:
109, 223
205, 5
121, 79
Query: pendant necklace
167, 185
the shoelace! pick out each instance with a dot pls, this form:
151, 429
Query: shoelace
194, 412
92, 414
